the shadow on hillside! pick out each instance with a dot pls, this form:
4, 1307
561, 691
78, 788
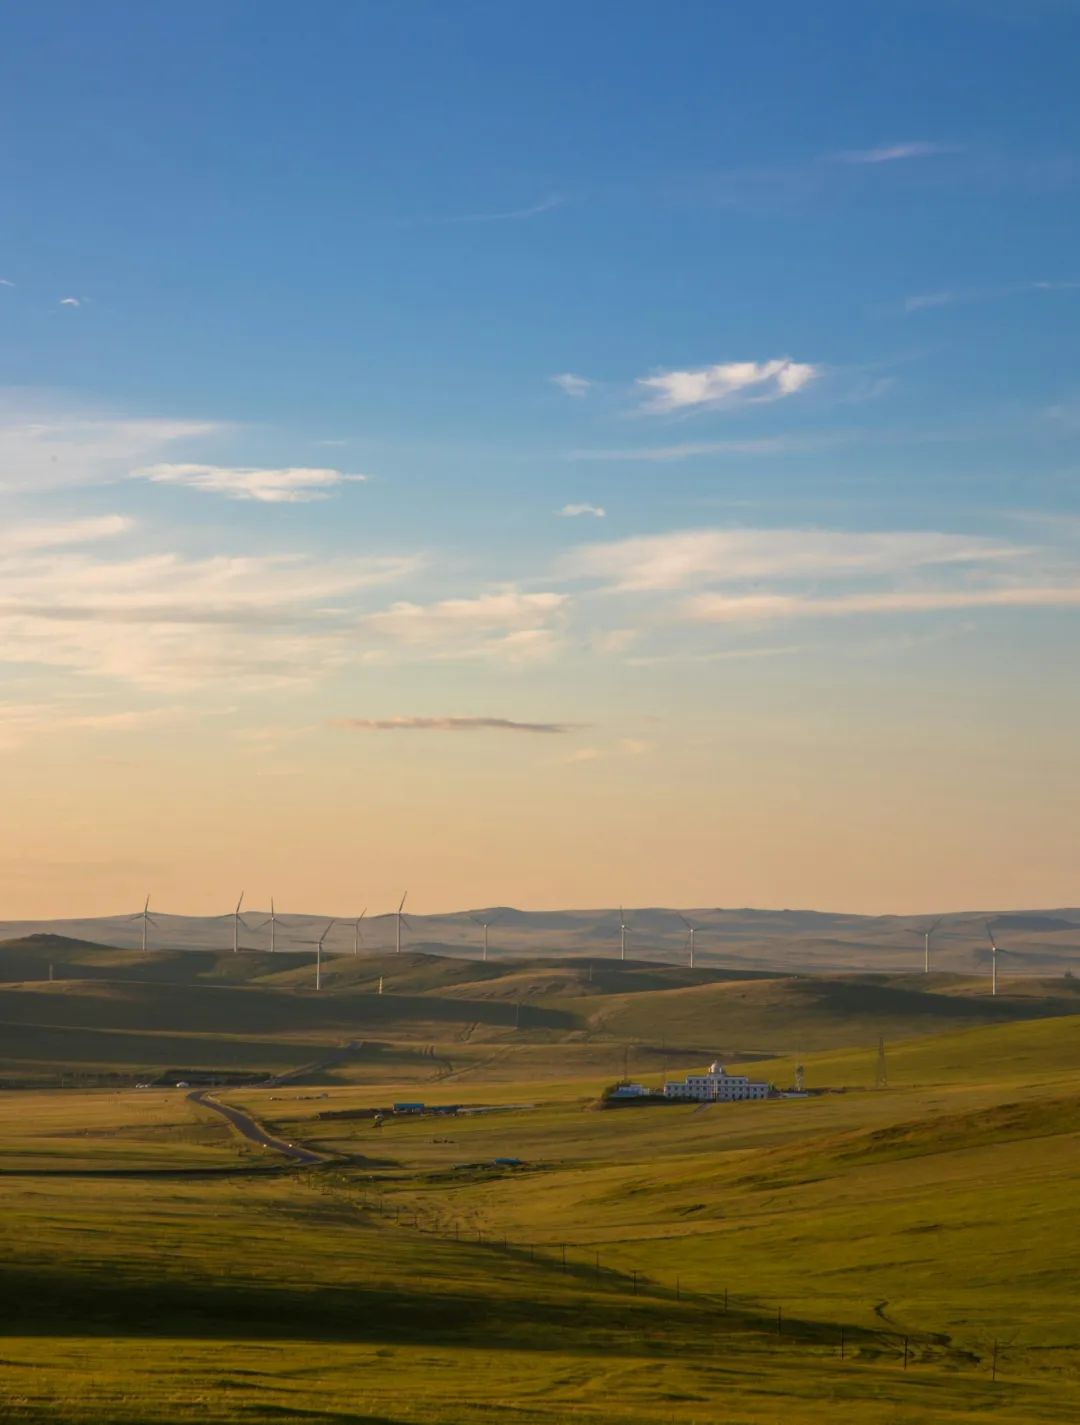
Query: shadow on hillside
46, 1303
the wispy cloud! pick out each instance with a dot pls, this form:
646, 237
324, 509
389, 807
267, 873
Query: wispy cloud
948, 297
792, 444
683, 557
756, 608
36, 535
452, 724
42, 447
21, 722
509, 215
166, 620
288, 486
5, 282
506, 624
573, 511
895, 152
624, 747
70, 302
725, 384
571, 385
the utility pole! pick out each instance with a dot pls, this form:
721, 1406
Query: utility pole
881, 1074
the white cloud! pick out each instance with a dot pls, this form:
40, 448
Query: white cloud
895, 153
510, 215
291, 485
32, 535
505, 625
926, 301
754, 445
571, 385
21, 722
44, 448
166, 620
671, 561
756, 608
727, 383
70, 302
4, 282
572, 511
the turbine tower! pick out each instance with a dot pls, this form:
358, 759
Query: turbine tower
318, 953
399, 921
623, 928
994, 952
237, 922
690, 931
484, 925
927, 934
272, 923
147, 920
356, 931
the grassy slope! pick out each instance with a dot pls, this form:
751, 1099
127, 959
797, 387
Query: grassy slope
940, 1208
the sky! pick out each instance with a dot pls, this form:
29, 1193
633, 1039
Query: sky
551, 455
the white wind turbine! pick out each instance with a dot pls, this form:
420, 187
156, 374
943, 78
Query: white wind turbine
691, 929
399, 921
623, 928
237, 921
272, 923
147, 920
483, 924
928, 934
318, 953
994, 953
356, 931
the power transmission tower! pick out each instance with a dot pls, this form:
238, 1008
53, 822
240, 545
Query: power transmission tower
881, 1075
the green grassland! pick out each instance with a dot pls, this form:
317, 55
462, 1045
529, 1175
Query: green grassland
158, 1267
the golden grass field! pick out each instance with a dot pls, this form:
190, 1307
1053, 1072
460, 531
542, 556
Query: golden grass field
663, 1264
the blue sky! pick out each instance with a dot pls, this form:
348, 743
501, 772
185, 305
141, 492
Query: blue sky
706, 348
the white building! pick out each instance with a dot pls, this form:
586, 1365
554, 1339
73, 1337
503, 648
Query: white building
630, 1091
716, 1086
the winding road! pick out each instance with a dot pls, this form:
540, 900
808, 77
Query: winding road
251, 1129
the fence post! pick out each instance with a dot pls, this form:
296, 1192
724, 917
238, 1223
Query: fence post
905, 1352
564, 1256
993, 1362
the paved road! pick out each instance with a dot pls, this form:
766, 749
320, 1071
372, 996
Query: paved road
253, 1130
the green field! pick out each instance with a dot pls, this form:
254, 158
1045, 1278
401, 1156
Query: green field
750, 1262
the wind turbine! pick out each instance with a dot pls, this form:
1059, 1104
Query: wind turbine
399, 920
272, 923
927, 934
318, 953
483, 924
356, 931
237, 922
623, 928
691, 929
994, 953
147, 920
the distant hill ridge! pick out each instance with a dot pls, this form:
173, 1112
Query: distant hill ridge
739, 939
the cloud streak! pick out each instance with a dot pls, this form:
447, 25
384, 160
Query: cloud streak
509, 215
756, 608
291, 485
575, 511
895, 153
453, 724
684, 557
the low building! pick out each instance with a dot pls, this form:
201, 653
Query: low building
629, 1091
716, 1086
